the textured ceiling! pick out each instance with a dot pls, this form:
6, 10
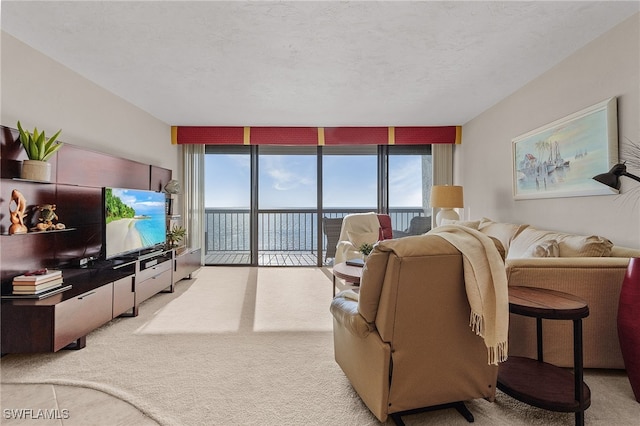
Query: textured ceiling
311, 63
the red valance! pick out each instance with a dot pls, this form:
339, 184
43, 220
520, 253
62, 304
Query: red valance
356, 135
283, 135
316, 135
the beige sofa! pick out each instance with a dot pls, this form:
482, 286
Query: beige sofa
590, 267
406, 342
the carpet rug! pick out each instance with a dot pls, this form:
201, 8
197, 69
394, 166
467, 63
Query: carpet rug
253, 346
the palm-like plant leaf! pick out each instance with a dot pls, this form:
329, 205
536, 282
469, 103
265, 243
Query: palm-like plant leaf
40, 141
51, 147
37, 146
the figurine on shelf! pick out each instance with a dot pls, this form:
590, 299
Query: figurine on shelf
47, 216
17, 215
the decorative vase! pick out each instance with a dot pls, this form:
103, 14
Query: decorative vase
629, 324
36, 170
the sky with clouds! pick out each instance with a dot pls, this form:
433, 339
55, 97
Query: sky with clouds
290, 181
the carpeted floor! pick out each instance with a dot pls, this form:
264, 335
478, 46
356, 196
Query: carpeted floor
253, 346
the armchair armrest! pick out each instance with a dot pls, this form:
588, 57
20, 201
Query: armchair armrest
586, 277
567, 262
346, 245
345, 250
345, 312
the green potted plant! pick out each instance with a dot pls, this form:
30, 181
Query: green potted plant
175, 235
365, 249
39, 149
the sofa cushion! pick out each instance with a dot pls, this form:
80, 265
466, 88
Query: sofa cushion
499, 247
474, 224
569, 245
585, 246
547, 248
505, 232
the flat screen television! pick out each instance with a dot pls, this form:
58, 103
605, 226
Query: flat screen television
134, 221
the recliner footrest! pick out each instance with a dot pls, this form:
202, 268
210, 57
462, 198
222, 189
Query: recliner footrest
459, 406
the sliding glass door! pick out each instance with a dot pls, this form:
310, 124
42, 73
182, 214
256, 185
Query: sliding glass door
287, 206
350, 184
227, 222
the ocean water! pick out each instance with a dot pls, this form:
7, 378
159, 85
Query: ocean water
276, 231
152, 229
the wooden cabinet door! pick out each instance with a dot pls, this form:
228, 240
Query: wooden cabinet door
80, 315
123, 296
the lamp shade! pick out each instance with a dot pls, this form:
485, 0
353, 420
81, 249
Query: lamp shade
446, 196
612, 177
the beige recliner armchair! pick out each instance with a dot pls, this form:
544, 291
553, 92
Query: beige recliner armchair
405, 344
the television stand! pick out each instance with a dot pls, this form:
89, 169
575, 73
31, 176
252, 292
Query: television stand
151, 254
101, 291
97, 295
109, 264
153, 275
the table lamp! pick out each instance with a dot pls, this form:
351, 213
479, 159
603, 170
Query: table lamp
612, 177
446, 198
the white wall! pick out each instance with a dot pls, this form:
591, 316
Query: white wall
609, 66
41, 92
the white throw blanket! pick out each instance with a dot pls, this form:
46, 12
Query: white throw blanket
486, 285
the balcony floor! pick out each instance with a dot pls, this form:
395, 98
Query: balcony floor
265, 258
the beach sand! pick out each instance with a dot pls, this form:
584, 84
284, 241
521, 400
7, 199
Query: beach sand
122, 236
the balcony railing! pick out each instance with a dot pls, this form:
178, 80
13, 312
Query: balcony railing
289, 234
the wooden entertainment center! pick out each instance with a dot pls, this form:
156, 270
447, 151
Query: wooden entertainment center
101, 290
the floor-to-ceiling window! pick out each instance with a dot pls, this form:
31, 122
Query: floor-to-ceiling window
409, 187
264, 204
227, 222
287, 206
351, 184
350, 179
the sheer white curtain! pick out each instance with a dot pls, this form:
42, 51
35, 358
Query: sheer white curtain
441, 173
442, 163
193, 202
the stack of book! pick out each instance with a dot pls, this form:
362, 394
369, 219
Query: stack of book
33, 283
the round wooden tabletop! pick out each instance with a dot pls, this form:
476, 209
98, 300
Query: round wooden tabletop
546, 303
349, 273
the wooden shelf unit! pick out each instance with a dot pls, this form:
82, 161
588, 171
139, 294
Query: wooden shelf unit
55, 322
100, 291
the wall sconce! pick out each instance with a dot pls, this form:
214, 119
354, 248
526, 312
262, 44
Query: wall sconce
612, 177
446, 198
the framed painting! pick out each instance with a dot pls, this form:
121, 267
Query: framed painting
561, 158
